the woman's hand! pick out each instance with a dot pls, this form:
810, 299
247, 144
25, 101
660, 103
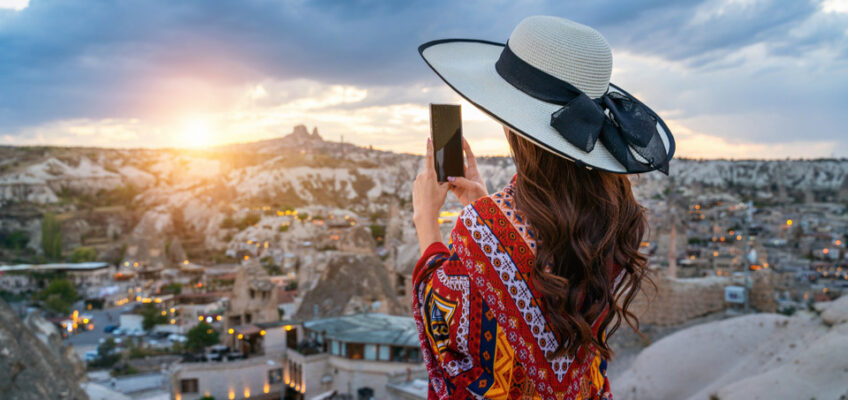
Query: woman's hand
471, 187
428, 196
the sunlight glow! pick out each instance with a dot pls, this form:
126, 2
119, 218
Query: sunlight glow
196, 132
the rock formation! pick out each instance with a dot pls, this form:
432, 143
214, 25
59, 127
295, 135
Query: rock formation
756, 356
351, 283
34, 363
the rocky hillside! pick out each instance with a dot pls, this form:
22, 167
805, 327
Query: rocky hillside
117, 200
194, 204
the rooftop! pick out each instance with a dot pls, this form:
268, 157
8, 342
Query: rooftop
373, 328
86, 266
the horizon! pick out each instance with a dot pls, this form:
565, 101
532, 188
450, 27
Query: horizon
219, 147
732, 79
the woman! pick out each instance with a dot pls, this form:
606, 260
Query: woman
537, 275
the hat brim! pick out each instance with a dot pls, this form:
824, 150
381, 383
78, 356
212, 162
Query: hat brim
468, 67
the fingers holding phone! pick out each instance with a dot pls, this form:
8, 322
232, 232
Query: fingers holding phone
447, 158
470, 187
428, 194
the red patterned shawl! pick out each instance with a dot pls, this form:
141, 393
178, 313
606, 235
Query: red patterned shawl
483, 332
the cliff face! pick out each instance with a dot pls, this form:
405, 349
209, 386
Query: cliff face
34, 364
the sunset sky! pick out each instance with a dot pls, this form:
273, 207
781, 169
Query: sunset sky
732, 78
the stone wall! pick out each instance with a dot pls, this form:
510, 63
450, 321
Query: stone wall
677, 300
762, 290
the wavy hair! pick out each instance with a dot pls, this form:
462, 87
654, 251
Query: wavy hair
583, 220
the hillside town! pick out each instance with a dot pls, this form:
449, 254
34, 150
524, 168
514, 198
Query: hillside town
282, 269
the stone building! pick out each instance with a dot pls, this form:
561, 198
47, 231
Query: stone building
253, 299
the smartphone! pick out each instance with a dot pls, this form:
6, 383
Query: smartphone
446, 133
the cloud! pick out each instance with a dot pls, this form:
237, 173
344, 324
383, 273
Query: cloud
693, 144
759, 70
14, 4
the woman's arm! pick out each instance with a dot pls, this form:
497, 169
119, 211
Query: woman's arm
428, 196
428, 233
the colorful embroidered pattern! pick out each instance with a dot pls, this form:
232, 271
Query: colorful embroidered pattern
483, 332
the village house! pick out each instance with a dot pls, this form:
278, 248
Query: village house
358, 355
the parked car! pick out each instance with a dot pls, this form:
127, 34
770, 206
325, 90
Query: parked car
236, 355
159, 335
217, 352
90, 355
136, 333
118, 331
110, 328
194, 357
177, 338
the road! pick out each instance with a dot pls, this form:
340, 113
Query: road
102, 318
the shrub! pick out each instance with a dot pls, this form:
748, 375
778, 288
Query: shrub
248, 220
16, 240
59, 296
378, 232
173, 288
83, 254
228, 223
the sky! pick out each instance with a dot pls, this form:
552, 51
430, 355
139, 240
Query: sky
731, 78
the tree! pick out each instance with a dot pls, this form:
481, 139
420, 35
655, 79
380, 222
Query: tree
107, 354
270, 266
51, 236
83, 254
151, 316
16, 240
378, 232
172, 288
201, 337
59, 296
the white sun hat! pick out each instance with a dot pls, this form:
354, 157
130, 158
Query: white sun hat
551, 84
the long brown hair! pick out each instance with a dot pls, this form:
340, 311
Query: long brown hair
581, 219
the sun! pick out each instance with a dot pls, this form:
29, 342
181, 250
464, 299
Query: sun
196, 132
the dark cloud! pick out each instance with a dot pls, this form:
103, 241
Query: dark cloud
64, 59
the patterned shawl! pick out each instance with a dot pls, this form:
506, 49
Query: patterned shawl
482, 328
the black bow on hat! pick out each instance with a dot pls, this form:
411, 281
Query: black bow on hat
619, 120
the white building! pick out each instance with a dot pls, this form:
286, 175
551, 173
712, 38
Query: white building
353, 355
257, 377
